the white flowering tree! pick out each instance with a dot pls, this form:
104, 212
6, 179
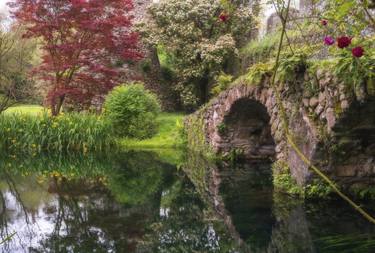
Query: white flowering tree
201, 36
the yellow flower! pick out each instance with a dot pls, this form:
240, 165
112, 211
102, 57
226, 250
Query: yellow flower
40, 180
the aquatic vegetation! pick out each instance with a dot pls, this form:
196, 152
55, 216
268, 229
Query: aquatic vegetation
69, 132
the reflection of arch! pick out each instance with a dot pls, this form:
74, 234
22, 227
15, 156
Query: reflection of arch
247, 128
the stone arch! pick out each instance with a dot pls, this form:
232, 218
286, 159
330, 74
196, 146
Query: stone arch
266, 142
257, 111
246, 128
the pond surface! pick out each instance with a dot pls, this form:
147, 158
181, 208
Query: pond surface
144, 202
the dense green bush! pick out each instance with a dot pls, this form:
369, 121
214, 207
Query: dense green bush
69, 132
133, 111
223, 81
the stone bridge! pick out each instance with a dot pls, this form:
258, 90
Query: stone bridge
332, 123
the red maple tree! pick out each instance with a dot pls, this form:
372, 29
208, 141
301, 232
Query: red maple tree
83, 43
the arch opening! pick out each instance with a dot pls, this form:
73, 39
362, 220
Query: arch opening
246, 129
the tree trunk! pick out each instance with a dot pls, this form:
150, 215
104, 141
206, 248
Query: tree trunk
56, 108
204, 89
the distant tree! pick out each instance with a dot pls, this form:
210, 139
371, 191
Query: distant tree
84, 44
16, 57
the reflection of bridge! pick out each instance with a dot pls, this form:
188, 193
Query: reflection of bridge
249, 209
261, 220
332, 126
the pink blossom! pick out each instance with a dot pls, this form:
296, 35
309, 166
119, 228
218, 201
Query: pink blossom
328, 40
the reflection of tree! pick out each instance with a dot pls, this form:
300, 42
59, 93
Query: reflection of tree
78, 225
4, 231
12, 188
84, 213
91, 219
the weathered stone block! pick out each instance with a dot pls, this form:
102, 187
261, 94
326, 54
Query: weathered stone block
314, 101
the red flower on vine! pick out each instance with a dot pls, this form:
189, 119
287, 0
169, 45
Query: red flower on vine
343, 42
358, 51
223, 17
324, 22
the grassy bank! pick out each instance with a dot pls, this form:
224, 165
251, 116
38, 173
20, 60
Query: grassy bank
168, 135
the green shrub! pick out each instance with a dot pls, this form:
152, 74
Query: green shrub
223, 82
69, 132
257, 72
133, 111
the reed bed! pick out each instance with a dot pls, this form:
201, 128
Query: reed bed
69, 132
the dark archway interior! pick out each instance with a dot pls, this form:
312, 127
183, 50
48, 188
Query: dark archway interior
247, 129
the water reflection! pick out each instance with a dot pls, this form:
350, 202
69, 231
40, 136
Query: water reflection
128, 202
262, 220
141, 202
56, 210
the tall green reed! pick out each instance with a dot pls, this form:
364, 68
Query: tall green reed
68, 132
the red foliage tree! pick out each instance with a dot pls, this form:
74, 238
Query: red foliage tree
83, 43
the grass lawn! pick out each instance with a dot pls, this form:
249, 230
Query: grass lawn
27, 109
168, 135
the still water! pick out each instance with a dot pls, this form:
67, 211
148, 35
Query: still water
152, 202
